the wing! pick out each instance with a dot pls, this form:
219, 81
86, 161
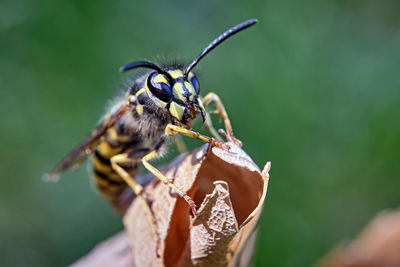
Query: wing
78, 155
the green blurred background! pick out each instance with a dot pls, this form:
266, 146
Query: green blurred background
313, 87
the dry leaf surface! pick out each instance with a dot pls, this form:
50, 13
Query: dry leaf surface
377, 245
115, 252
230, 191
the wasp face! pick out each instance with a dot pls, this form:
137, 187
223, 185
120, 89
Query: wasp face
177, 93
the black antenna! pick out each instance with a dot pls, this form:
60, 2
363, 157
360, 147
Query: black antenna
144, 64
220, 39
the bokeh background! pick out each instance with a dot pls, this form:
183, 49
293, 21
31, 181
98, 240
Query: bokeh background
313, 87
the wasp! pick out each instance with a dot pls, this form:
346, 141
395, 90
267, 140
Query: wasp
157, 105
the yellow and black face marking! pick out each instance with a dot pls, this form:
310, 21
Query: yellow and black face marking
159, 104
175, 93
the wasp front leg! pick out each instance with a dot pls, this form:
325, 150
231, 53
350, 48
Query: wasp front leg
173, 129
220, 110
210, 127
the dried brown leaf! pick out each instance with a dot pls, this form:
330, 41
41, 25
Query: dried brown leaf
213, 229
115, 252
230, 191
377, 245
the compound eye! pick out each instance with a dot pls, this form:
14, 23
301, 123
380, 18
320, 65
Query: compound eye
158, 87
195, 84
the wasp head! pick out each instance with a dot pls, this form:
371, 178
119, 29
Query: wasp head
176, 92
176, 89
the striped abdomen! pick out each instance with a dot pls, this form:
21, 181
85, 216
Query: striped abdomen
108, 182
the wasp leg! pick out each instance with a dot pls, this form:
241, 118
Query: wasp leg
208, 123
173, 129
212, 97
116, 162
153, 154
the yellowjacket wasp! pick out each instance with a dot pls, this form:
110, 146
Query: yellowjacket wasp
159, 104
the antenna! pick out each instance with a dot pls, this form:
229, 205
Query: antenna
220, 39
144, 64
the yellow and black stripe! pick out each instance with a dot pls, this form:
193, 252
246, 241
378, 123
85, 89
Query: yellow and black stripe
109, 183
